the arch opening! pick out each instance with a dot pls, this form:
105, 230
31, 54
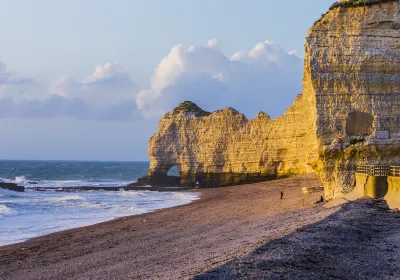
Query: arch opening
173, 171
170, 176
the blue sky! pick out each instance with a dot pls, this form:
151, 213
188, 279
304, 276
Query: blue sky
55, 103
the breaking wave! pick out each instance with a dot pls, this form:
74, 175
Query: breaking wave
65, 198
6, 211
20, 180
45, 212
23, 181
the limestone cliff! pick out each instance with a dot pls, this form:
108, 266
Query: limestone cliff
350, 98
224, 147
353, 62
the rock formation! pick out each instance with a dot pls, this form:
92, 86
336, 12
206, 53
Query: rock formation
348, 113
11, 187
225, 148
353, 62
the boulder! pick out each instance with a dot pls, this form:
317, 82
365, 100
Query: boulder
12, 187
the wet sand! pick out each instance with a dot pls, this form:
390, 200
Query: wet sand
175, 243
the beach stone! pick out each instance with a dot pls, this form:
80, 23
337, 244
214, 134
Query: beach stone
351, 90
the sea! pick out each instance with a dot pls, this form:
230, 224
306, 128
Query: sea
35, 213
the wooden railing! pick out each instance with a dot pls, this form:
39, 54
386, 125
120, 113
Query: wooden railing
395, 171
379, 170
374, 170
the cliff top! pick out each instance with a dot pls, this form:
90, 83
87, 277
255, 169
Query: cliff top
358, 3
263, 115
353, 4
190, 107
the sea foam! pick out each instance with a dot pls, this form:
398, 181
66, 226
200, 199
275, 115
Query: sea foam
30, 214
6, 211
20, 180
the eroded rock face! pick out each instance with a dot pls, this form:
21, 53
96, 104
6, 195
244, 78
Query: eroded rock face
225, 148
350, 98
353, 60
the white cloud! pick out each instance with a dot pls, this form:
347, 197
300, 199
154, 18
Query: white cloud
214, 43
56, 106
263, 78
294, 52
263, 54
51, 106
106, 80
109, 74
64, 86
106, 94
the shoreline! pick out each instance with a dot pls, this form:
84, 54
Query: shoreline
130, 187
95, 208
36, 238
173, 243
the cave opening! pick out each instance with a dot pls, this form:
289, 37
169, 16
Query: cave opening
359, 123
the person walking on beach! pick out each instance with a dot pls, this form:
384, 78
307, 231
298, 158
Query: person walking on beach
281, 195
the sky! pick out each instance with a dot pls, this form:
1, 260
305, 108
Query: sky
89, 80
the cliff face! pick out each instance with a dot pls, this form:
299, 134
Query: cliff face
225, 148
348, 113
353, 61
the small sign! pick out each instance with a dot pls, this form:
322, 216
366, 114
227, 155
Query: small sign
382, 135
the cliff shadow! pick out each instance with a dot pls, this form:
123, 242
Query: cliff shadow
356, 242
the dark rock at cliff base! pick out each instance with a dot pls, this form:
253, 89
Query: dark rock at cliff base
12, 187
159, 181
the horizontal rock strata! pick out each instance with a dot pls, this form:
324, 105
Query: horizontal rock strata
225, 148
353, 59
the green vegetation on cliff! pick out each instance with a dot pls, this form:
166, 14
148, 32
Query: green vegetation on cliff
190, 107
358, 3
353, 4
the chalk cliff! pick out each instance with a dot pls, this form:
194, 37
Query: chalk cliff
353, 62
348, 113
224, 147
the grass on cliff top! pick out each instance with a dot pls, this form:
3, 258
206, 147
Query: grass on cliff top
190, 107
358, 3
353, 4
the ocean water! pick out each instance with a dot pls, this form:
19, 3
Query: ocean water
71, 173
33, 213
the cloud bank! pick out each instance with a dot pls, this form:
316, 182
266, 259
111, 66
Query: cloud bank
264, 78
99, 96
105, 80
9, 78
12, 83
